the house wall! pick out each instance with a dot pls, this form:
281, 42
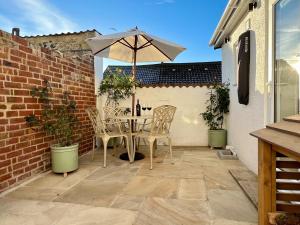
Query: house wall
188, 128
244, 119
98, 68
70, 44
24, 152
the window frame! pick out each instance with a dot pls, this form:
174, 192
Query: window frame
276, 104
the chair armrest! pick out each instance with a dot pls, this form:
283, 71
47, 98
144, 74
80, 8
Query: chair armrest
143, 123
111, 123
117, 124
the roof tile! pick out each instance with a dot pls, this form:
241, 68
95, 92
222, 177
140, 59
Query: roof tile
175, 74
60, 34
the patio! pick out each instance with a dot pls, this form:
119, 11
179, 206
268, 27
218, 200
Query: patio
196, 189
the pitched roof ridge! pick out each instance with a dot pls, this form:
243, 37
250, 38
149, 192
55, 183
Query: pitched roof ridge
63, 33
168, 64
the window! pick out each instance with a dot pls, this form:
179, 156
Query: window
287, 58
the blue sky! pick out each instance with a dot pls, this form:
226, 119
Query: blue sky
189, 23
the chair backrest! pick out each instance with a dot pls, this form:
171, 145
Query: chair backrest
162, 119
94, 116
110, 113
110, 117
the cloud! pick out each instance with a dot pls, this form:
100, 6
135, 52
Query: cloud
40, 17
162, 2
6, 24
159, 2
288, 30
284, 3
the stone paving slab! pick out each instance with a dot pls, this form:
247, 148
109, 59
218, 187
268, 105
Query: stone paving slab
28, 212
248, 183
196, 189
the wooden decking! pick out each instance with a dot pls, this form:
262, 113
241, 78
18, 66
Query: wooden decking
279, 164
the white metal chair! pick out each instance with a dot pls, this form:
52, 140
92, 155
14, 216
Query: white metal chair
111, 112
106, 129
160, 128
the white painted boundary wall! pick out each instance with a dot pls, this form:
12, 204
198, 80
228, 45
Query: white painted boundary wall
242, 120
188, 128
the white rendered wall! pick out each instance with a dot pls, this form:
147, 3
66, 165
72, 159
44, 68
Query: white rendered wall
244, 119
188, 128
98, 67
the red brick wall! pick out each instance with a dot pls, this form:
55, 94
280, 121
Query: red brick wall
23, 152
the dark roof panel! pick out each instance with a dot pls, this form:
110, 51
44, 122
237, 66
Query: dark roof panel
175, 74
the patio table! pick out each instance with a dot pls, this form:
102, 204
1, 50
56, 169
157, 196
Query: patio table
132, 130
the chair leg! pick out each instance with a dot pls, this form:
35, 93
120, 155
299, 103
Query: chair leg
138, 144
93, 151
155, 144
124, 142
114, 147
133, 148
145, 143
151, 145
128, 149
105, 141
170, 148
154, 148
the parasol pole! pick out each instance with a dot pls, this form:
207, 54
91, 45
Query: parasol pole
134, 73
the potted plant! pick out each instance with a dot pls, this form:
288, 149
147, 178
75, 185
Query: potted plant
57, 119
117, 86
217, 107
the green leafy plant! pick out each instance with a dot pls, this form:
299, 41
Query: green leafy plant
57, 117
117, 85
217, 106
288, 219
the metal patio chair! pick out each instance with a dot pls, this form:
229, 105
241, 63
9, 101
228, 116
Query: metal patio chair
106, 129
160, 128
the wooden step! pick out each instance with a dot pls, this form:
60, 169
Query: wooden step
282, 142
286, 127
294, 118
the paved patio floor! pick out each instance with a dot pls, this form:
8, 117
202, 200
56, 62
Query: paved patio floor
196, 189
